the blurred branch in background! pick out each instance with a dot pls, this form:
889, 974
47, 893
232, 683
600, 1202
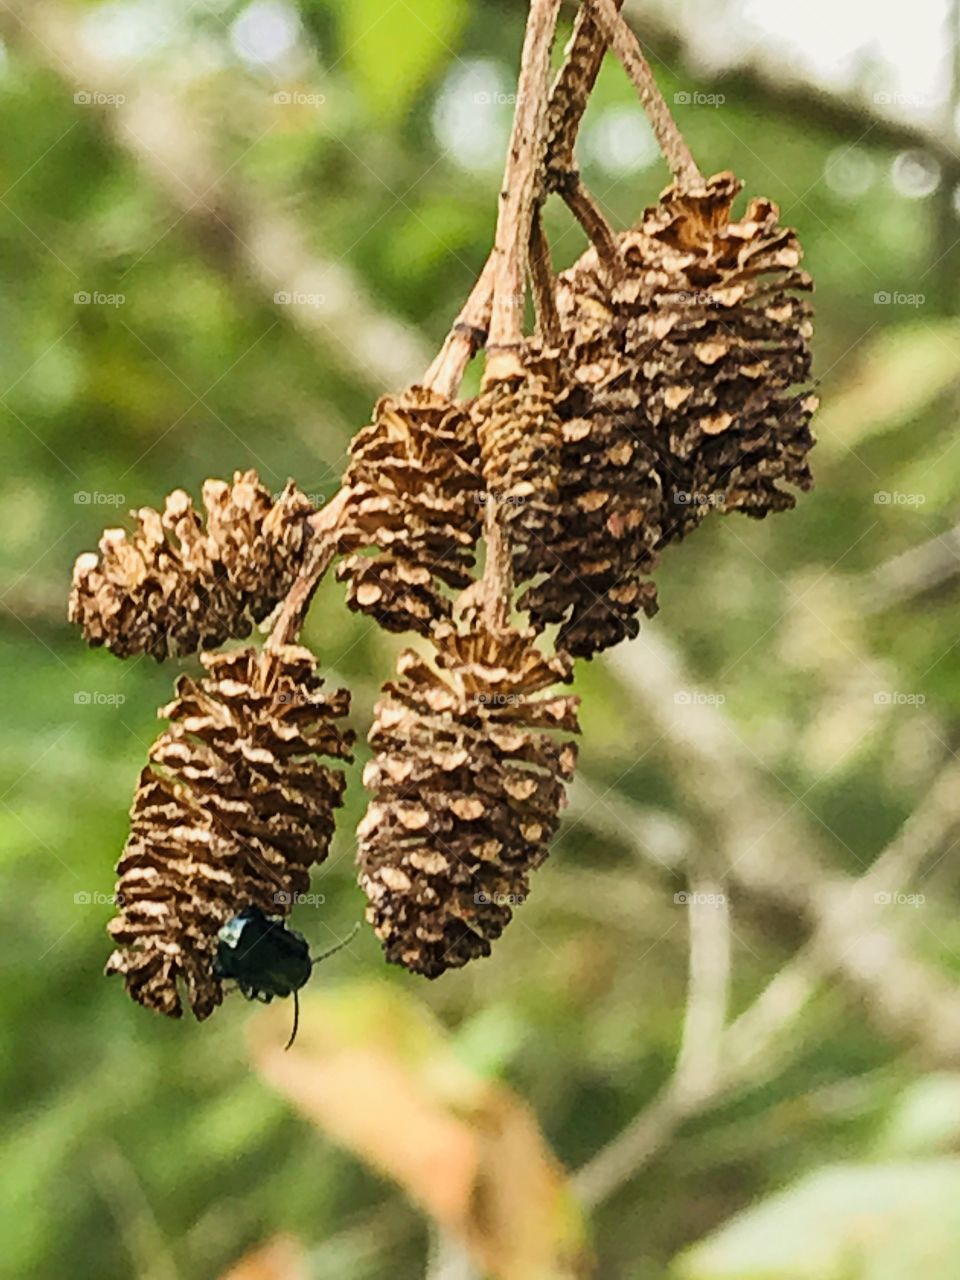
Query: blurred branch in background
780, 860
761, 82
912, 574
752, 1047
906, 999
242, 233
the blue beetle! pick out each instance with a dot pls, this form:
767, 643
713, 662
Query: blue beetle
267, 959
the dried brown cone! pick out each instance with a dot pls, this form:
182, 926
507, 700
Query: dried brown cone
467, 783
233, 809
701, 344
520, 434
180, 583
414, 484
598, 561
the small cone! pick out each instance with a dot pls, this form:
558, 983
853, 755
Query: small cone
232, 810
598, 561
468, 788
180, 584
520, 436
413, 476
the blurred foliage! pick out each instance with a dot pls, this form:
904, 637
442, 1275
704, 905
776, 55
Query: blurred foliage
135, 1146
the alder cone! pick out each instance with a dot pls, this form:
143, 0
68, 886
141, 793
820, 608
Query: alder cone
468, 787
519, 432
180, 583
598, 560
415, 487
701, 344
232, 810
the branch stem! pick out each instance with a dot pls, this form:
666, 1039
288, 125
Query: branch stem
320, 555
519, 191
542, 283
568, 100
626, 46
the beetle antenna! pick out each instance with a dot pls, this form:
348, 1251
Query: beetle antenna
333, 950
296, 1020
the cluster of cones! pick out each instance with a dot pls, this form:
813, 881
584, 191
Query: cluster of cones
676, 381
680, 385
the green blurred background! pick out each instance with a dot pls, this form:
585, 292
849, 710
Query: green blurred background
224, 229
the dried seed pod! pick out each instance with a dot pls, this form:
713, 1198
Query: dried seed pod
233, 808
598, 562
179, 584
702, 344
415, 498
520, 436
468, 791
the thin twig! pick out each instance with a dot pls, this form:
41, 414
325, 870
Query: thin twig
542, 283
910, 574
570, 93
518, 193
708, 989
320, 554
468, 335
697, 1076
567, 103
627, 48
591, 217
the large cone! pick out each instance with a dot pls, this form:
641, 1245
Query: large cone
232, 810
701, 345
468, 788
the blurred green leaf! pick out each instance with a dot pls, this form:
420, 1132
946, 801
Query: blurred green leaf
392, 50
845, 1222
926, 1118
